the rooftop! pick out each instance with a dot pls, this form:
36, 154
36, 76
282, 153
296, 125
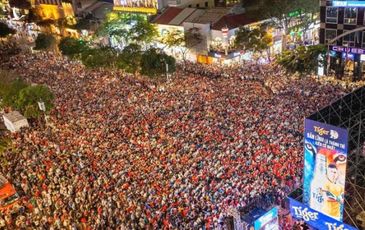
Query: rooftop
232, 21
14, 116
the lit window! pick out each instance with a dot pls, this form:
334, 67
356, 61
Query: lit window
331, 14
350, 15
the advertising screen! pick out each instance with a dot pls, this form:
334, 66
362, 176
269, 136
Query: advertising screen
314, 218
143, 6
325, 157
353, 3
269, 221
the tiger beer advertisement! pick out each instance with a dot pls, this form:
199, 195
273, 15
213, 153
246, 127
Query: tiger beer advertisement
325, 158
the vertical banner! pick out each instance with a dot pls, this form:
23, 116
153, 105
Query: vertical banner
269, 221
325, 157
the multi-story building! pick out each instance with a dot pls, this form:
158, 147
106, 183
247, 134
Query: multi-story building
341, 29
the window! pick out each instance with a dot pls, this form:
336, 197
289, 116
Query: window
330, 34
331, 14
350, 15
206, 4
348, 40
363, 40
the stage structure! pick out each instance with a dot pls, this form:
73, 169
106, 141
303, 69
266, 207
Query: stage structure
349, 113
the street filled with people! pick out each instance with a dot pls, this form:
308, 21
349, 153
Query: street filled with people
120, 151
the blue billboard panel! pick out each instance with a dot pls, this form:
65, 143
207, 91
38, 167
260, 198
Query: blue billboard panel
269, 221
325, 157
314, 218
348, 3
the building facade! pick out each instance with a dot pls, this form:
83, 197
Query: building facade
341, 24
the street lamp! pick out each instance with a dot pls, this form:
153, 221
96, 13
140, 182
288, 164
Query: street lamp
42, 107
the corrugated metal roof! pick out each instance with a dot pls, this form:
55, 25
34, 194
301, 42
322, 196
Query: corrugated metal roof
168, 15
181, 17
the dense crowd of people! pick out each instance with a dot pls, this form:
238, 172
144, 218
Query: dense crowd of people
124, 151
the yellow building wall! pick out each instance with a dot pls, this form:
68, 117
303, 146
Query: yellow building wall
54, 12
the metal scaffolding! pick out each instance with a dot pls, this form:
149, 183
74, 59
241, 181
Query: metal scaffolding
349, 113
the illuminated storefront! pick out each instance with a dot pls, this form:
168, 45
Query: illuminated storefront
338, 18
137, 6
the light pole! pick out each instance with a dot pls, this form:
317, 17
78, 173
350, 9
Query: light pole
42, 107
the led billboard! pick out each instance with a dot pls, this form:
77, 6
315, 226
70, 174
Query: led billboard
359, 3
142, 6
268, 221
325, 157
314, 218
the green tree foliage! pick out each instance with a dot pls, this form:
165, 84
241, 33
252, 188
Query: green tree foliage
173, 38
283, 12
303, 59
45, 42
153, 63
6, 78
23, 97
130, 58
10, 92
28, 98
255, 40
72, 47
128, 28
5, 30
193, 38
98, 57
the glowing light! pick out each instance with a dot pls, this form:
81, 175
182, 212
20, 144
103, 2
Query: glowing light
136, 9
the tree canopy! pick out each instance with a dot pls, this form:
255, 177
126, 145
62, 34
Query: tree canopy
72, 47
173, 38
303, 59
131, 29
98, 57
10, 92
45, 42
255, 40
193, 38
28, 98
19, 95
130, 58
5, 30
153, 63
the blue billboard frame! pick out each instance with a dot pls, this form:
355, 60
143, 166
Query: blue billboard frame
314, 218
325, 157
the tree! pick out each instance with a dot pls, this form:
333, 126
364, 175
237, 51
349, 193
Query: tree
303, 59
7, 78
72, 47
193, 38
45, 42
98, 57
176, 39
254, 40
280, 14
5, 30
153, 63
308, 14
10, 94
128, 29
28, 98
130, 58
173, 38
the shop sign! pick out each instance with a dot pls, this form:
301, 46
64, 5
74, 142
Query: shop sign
348, 4
348, 49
